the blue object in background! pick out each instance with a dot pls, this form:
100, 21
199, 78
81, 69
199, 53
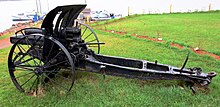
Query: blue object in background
35, 18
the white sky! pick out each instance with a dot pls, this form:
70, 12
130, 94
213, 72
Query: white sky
9, 8
140, 6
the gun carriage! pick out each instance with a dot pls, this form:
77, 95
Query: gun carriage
46, 58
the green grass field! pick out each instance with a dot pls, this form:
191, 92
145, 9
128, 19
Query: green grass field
92, 90
38, 24
189, 29
5, 36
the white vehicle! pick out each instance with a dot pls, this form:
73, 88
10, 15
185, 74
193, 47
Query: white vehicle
22, 17
95, 16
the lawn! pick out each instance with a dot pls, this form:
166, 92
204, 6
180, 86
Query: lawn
93, 90
37, 24
189, 29
5, 36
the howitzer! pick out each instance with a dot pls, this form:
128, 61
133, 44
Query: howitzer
46, 58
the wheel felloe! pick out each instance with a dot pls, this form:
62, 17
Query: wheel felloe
89, 37
35, 72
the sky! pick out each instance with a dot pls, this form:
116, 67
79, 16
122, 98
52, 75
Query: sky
141, 6
10, 8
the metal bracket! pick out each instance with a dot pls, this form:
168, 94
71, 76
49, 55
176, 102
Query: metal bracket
103, 70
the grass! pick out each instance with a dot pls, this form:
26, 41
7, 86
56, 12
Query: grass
5, 36
38, 24
92, 90
190, 29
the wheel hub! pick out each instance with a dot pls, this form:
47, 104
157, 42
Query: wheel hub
38, 71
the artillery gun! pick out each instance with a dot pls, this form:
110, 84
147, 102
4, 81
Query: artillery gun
46, 58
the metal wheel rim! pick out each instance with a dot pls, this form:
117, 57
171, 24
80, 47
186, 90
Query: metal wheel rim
89, 32
12, 69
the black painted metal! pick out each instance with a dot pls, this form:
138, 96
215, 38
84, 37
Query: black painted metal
26, 58
142, 69
67, 14
70, 40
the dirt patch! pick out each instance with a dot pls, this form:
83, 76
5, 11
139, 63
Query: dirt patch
110, 31
15, 27
5, 43
116, 32
1, 33
120, 33
147, 37
201, 52
176, 45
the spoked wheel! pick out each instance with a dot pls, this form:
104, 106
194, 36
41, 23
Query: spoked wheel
89, 37
37, 68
